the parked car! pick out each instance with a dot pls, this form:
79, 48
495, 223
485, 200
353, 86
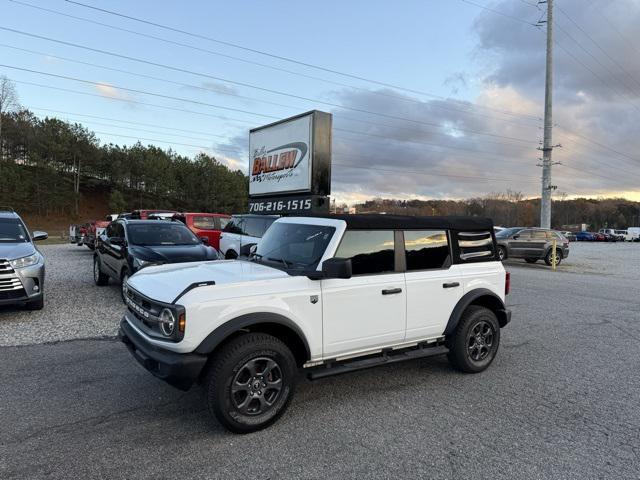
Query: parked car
531, 244
600, 237
144, 214
610, 234
126, 246
21, 263
205, 225
633, 234
242, 232
81, 232
73, 233
585, 237
621, 234
571, 236
94, 230
323, 296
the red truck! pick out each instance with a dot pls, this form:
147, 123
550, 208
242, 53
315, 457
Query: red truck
205, 225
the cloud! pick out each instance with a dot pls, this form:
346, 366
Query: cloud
112, 92
215, 87
451, 158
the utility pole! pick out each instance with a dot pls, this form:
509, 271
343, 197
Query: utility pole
545, 200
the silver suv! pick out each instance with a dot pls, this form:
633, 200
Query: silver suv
21, 263
531, 244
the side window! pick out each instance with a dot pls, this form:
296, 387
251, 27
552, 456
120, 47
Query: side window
204, 223
475, 246
524, 235
221, 223
370, 251
109, 230
426, 249
539, 235
255, 227
235, 225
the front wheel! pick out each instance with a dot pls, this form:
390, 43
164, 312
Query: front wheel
475, 341
250, 382
123, 286
99, 278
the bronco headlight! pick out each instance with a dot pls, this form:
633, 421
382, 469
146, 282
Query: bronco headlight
167, 322
25, 261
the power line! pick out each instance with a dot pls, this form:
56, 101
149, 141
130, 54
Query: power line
260, 52
304, 75
213, 90
233, 82
498, 12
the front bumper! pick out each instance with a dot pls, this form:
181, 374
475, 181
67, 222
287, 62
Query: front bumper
29, 288
179, 370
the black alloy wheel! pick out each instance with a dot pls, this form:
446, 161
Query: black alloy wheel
257, 386
480, 341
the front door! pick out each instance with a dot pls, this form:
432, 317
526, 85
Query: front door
369, 309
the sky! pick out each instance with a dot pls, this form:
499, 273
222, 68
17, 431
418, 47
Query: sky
431, 99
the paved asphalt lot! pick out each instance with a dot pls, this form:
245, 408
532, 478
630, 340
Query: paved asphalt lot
560, 401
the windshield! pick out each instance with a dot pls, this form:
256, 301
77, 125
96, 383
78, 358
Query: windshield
293, 245
160, 233
507, 232
12, 231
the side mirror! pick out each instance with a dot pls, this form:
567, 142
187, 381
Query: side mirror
516, 236
116, 241
205, 240
253, 249
334, 268
37, 235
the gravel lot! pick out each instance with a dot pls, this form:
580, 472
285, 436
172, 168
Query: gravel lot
560, 401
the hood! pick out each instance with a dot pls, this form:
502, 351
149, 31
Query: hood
11, 251
173, 253
166, 282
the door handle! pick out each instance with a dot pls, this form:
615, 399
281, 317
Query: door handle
391, 291
451, 285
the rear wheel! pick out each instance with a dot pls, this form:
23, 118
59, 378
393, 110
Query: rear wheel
548, 258
531, 260
250, 382
99, 278
475, 341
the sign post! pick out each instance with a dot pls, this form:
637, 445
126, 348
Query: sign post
290, 165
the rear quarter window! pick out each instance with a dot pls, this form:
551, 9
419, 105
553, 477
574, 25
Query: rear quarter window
204, 223
475, 246
426, 249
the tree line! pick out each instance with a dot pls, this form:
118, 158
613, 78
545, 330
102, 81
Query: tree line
512, 209
49, 166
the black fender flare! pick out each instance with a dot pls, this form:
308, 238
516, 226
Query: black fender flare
228, 328
487, 299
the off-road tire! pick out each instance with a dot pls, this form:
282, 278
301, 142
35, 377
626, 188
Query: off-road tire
36, 304
502, 253
99, 278
459, 342
531, 260
225, 369
547, 258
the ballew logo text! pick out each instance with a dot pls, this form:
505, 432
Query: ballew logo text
277, 163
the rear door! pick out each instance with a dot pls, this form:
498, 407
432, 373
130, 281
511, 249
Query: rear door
434, 285
367, 310
520, 243
538, 244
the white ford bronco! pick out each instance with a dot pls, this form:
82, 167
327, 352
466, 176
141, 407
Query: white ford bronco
319, 296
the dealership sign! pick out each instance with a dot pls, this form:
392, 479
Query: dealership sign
288, 158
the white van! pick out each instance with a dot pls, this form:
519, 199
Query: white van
633, 234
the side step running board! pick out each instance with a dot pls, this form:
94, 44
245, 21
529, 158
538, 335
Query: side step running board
337, 368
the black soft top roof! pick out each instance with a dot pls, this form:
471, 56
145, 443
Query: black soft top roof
377, 221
